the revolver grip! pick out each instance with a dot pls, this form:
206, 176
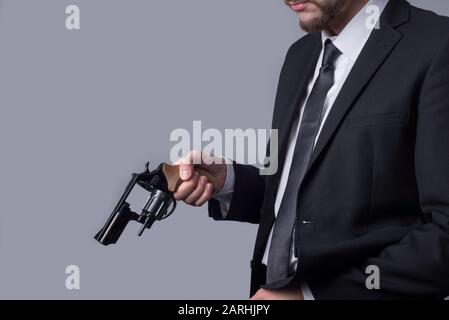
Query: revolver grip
171, 173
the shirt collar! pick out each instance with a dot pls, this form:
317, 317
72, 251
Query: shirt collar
353, 37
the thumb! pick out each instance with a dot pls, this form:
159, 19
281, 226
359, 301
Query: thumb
185, 171
186, 165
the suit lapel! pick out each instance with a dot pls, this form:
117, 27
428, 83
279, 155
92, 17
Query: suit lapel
378, 47
375, 52
301, 67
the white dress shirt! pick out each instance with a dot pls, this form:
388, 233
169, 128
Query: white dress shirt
350, 42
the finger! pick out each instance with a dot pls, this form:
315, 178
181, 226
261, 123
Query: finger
207, 194
186, 188
196, 194
186, 164
185, 171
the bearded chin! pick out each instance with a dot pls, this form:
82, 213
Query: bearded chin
329, 12
315, 25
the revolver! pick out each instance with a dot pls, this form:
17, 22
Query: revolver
160, 204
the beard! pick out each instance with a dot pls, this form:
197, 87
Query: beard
329, 10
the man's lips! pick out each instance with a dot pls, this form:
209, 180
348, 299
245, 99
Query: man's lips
299, 5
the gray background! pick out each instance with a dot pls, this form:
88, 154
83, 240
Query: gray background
81, 110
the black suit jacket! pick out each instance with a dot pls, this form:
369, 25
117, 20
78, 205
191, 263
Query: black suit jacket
377, 188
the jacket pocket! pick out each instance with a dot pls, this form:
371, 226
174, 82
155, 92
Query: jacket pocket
386, 119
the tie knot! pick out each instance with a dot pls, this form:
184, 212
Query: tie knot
331, 54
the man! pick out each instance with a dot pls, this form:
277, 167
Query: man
362, 110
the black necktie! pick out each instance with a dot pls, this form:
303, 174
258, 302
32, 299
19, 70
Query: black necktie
279, 254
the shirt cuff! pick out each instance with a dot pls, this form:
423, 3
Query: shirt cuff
224, 196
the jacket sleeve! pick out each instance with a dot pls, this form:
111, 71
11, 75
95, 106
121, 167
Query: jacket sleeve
247, 197
418, 265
